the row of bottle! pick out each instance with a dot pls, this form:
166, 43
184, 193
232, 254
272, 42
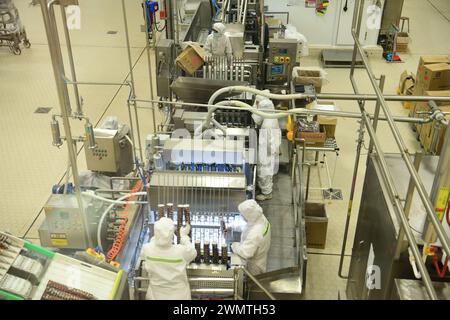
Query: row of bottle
213, 256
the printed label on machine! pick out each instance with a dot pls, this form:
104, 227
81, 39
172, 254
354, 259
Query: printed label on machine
59, 239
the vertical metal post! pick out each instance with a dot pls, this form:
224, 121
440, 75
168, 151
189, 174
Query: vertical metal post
130, 63
169, 20
377, 112
408, 202
79, 111
63, 97
441, 184
355, 24
149, 46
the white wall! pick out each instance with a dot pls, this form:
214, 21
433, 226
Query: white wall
332, 29
319, 30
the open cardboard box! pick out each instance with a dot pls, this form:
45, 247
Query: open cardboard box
191, 59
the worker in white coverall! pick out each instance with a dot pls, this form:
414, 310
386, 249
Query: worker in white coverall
166, 262
269, 141
217, 43
255, 238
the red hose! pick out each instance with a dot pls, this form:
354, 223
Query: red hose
440, 273
447, 214
120, 237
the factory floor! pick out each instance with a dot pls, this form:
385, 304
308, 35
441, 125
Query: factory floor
30, 165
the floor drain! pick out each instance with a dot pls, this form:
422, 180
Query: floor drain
112, 32
332, 194
42, 110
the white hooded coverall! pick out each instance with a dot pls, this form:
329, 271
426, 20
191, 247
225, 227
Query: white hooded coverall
166, 263
269, 142
255, 239
217, 43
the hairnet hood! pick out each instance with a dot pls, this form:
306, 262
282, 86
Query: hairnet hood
219, 27
260, 98
250, 210
164, 232
266, 105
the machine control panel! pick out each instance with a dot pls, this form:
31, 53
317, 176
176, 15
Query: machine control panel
282, 57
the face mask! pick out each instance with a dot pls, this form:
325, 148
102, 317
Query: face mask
216, 34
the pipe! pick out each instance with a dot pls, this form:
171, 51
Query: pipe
408, 203
373, 97
377, 111
148, 47
71, 61
94, 196
130, 64
63, 97
223, 105
412, 261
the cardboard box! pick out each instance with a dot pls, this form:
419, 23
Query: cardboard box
425, 60
402, 42
191, 59
328, 124
406, 83
313, 139
316, 225
435, 76
309, 77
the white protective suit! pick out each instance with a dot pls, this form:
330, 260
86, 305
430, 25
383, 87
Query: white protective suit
217, 43
166, 263
269, 142
255, 238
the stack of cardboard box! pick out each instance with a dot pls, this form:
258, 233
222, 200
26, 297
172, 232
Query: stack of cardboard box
432, 79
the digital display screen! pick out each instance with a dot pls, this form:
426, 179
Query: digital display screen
277, 69
283, 51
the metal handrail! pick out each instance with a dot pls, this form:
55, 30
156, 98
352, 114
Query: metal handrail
252, 277
387, 177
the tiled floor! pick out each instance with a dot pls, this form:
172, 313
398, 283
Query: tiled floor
30, 165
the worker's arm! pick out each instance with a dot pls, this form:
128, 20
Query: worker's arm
189, 252
248, 247
207, 45
238, 225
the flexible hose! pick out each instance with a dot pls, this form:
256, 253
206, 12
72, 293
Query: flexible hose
120, 237
412, 261
238, 89
103, 216
119, 201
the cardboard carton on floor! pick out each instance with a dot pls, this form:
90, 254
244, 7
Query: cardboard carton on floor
402, 41
429, 59
316, 225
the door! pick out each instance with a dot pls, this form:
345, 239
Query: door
370, 25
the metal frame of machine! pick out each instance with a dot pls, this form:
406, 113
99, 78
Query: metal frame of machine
368, 122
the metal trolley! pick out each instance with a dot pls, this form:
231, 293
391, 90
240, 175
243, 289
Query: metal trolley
12, 32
